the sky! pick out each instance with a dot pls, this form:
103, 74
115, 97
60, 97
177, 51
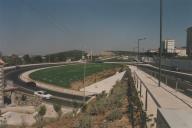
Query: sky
48, 26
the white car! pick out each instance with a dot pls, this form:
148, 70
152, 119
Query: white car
43, 94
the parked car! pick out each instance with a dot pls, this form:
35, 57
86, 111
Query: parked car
43, 94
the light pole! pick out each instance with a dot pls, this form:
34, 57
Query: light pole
138, 41
160, 49
84, 74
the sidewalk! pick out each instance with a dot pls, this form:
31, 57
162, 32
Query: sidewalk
104, 85
164, 95
164, 100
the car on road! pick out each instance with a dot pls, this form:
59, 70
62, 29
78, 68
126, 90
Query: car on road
32, 85
43, 94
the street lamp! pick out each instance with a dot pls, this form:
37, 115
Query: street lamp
160, 49
138, 54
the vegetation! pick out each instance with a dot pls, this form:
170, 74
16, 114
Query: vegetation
107, 106
41, 111
121, 107
84, 122
14, 59
58, 110
63, 76
136, 114
115, 115
3, 123
63, 56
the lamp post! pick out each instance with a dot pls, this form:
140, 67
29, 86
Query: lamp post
138, 41
160, 49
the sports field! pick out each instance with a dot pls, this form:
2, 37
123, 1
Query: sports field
63, 76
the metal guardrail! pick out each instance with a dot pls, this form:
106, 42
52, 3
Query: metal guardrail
138, 80
172, 81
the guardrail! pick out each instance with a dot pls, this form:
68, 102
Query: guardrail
145, 96
139, 83
172, 81
39, 64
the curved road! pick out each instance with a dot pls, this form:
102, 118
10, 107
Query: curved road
62, 98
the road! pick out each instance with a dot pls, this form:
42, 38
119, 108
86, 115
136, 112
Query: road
62, 98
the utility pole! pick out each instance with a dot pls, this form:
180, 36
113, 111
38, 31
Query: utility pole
84, 74
160, 49
138, 41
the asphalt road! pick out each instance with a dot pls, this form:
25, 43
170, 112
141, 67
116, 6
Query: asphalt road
61, 98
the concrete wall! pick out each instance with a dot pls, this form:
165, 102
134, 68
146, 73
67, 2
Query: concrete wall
161, 122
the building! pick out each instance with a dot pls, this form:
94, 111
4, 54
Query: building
180, 51
168, 46
1, 83
152, 51
189, 41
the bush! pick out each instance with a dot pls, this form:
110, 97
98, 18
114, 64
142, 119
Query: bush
115, 115
99, 107
58, 110
42, 110
84, 122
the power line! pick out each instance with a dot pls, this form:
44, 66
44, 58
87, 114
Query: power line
49, 18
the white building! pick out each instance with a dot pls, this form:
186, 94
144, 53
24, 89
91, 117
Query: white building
181, 51
169, 46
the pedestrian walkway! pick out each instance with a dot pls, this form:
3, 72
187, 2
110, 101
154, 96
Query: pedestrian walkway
104, 85
162, 103
164, 95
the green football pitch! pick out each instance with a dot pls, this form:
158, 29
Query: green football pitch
64, 75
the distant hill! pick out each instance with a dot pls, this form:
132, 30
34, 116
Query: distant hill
63, 56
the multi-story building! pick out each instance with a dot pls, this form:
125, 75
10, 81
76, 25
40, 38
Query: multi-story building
189, 41
169, 46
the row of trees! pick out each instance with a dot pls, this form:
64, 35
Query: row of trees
18, 60
56, 57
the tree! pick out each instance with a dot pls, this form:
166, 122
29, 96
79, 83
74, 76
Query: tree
3, 123
27, 59
39, 115
58, 110
37, 59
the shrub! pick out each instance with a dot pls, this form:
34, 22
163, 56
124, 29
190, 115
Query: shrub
39, 116
58, 110
42, 110
115, 115
84, 122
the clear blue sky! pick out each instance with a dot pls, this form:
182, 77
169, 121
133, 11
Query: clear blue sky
47, 26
